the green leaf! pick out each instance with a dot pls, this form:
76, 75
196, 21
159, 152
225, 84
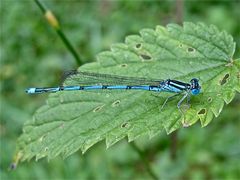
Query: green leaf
77, 120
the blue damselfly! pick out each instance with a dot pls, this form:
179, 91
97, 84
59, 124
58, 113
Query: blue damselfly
86, 81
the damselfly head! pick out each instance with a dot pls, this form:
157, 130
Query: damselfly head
195, 86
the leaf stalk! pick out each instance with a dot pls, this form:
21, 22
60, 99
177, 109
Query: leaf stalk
144, 160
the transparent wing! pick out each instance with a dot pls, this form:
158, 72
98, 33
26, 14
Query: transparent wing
89, 78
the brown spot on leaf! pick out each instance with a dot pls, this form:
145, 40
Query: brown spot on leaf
224, 79
138, 45
116, 103
180, 45
97, 108
124, 125
209, 99
145, 57
190, 49
202, 111
123, 65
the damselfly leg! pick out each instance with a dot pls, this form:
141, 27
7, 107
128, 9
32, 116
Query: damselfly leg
169, 98
186, 95
188, 100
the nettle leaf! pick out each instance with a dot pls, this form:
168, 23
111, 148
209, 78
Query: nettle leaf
77, 120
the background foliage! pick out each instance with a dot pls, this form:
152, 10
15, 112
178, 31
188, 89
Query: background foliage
32, 54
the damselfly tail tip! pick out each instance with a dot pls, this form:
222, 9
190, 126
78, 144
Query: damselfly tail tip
30, 90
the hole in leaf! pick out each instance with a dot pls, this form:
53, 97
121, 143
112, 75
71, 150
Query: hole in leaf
224, 79
180, 45
138, 45
209, 99
46, 149
124, 125
123, 65
97, 108
116, 103
145, 57
202, 111
190, 49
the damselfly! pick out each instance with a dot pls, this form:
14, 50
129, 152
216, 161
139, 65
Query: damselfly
94, 81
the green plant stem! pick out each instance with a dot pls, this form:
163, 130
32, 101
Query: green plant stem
144, 160
179, 11
54, 23
173, 145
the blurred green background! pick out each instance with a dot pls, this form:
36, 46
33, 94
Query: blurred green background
33, 55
